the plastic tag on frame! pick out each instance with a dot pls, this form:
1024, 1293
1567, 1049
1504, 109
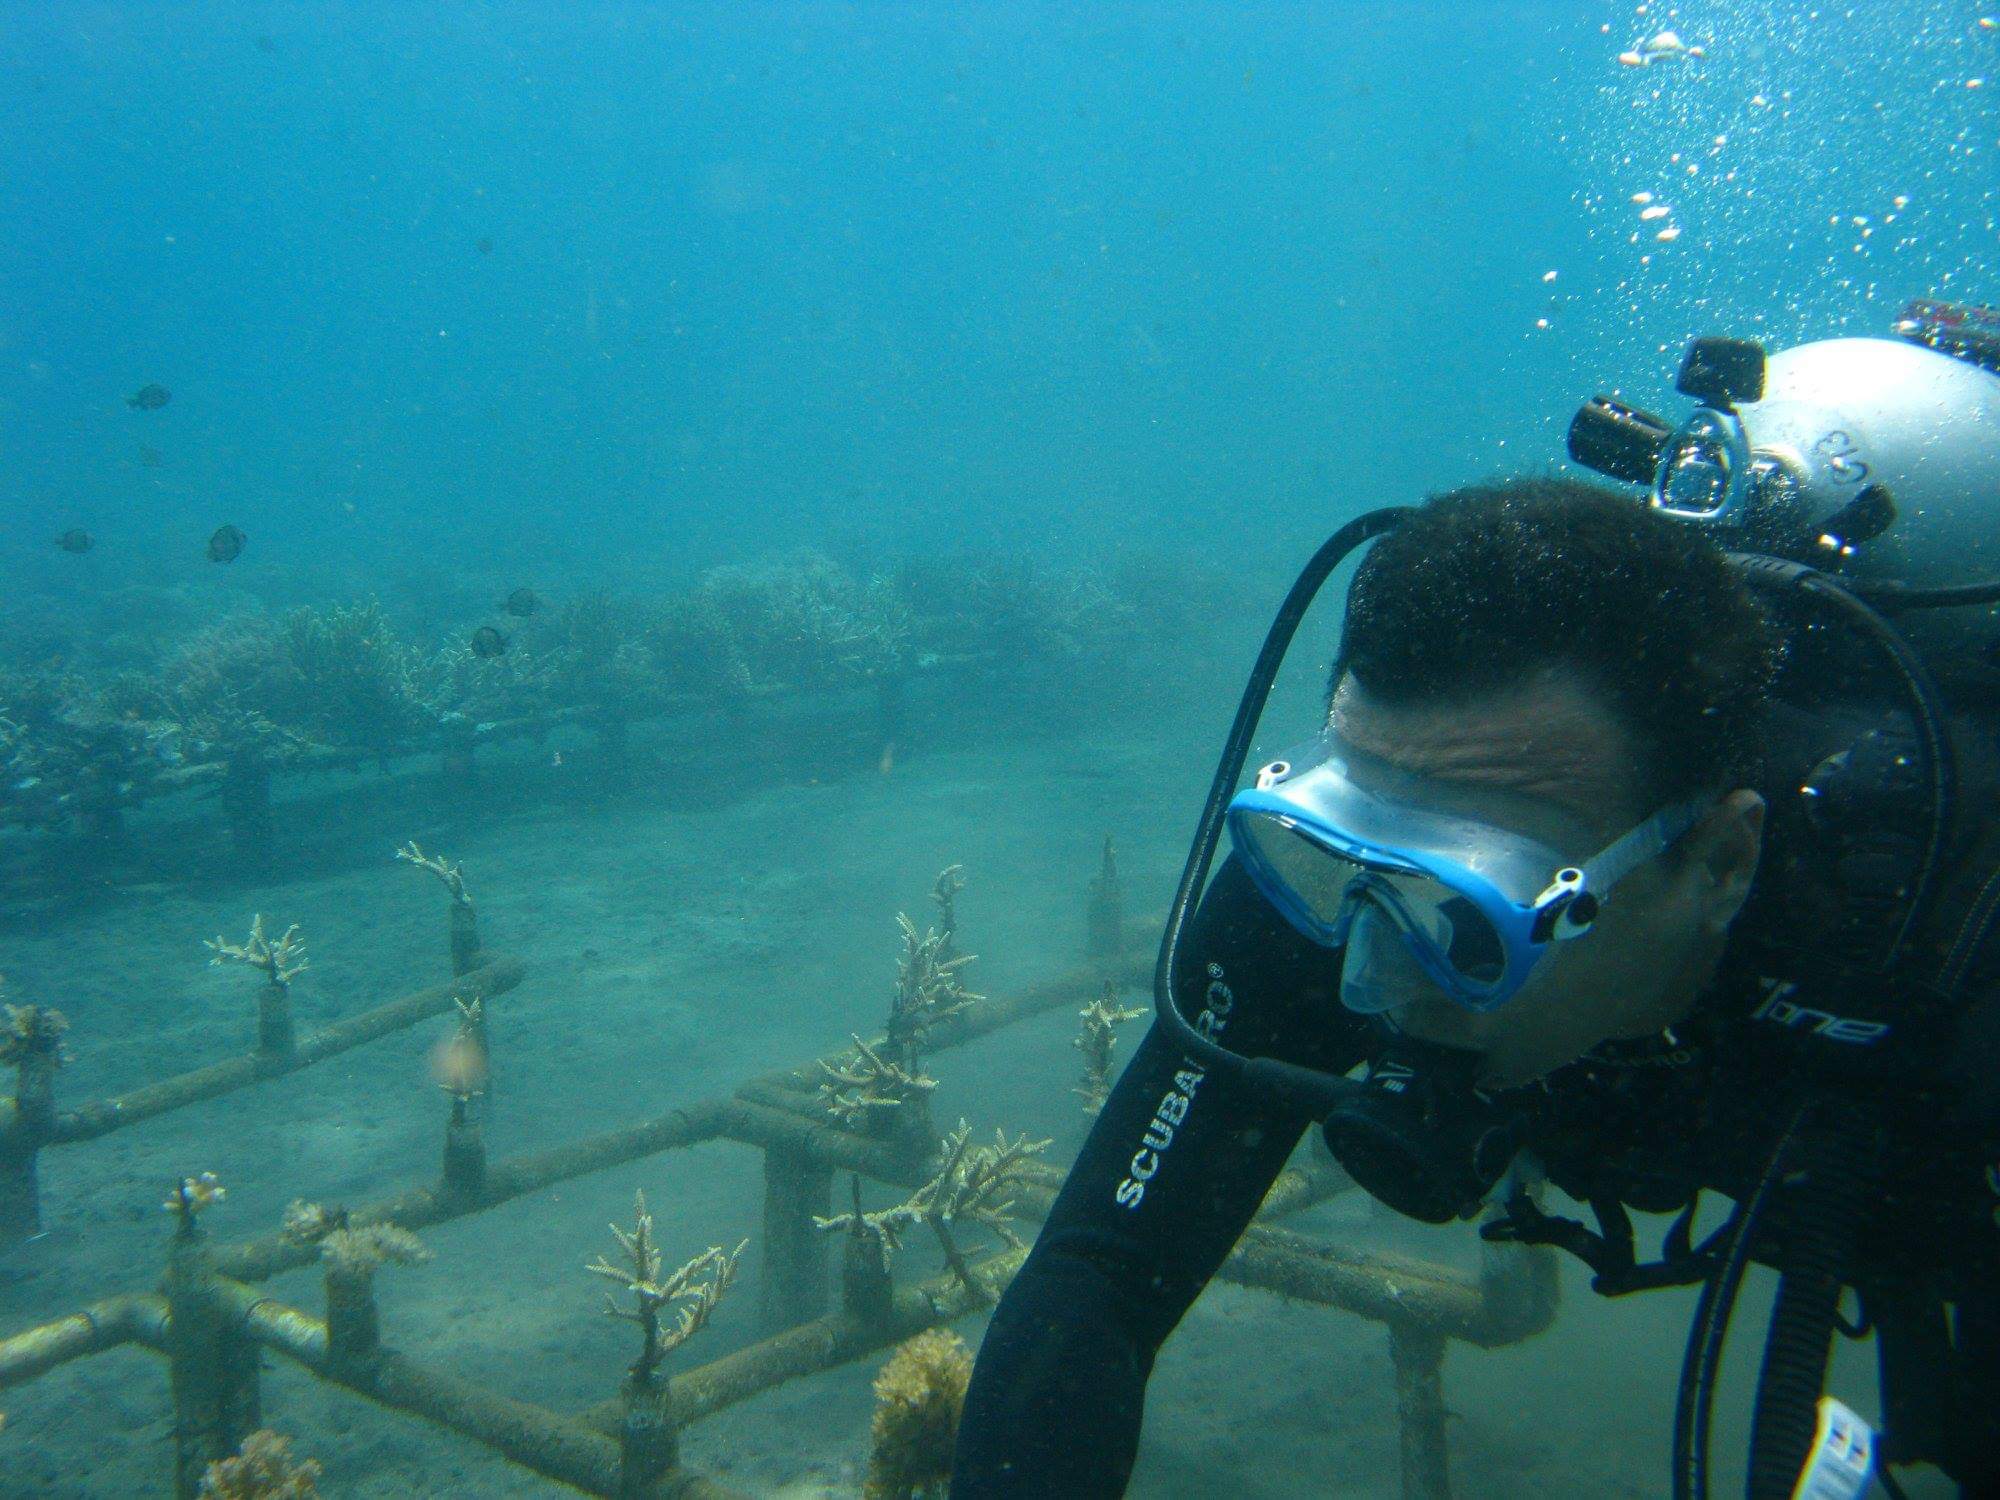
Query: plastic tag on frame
1843, 1455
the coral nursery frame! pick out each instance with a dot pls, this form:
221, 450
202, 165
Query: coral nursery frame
211, 1321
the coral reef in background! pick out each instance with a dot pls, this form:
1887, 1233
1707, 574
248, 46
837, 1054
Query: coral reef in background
919, 1396
362, 685
85, 737
263, 1469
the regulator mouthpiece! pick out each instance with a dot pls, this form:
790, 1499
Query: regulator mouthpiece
1415, 1132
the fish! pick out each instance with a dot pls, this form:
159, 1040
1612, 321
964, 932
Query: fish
151, 458
521, 603
76, 540
484, 245
149, 398
488, 642
227, 544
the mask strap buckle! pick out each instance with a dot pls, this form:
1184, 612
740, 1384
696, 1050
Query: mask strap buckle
1571, 901
1566, 907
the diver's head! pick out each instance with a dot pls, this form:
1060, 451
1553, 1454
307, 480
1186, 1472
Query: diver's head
1543, 726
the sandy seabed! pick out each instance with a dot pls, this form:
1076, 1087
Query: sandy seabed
718, 907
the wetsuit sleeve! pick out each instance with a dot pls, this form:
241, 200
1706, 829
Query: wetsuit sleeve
1174, 1169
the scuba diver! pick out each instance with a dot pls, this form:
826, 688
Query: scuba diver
1646, 850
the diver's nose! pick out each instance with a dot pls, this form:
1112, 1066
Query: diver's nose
1378, 972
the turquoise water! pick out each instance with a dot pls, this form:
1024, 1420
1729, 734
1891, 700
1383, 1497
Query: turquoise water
452, 300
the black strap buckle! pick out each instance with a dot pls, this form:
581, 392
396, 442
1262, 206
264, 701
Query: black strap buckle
1608, 1251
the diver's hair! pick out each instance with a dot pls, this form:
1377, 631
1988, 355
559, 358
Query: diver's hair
1484, 587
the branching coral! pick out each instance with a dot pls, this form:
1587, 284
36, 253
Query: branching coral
359, 684
352, 1254
919, 1396
64, 750
309, 1223
192, 1196
1011, 611
263, 1469
335, 676
1095, 1039
592, 653
928, 989
230, 687
944, 895
855, 1089
280, 960
698, 1287
972, 1185
360, 1251
801, 621
695, 649
32, 1029
451, 874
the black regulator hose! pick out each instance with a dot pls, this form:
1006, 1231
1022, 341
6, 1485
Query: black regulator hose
1694, 1401
1828, 1169
1895, 598
1926, 706
1298, 1087
1837, 1160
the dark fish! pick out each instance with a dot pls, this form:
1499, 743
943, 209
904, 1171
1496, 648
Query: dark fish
485, 245
521, 603
150, 457
227, 544
149, 398
76, 539
488, 642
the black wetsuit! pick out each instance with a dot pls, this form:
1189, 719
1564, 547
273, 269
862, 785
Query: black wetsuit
1180, 1159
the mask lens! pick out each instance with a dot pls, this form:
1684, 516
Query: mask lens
1456, 931
1323, 888
1313, 880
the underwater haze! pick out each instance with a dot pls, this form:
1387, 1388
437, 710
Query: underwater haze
702, 470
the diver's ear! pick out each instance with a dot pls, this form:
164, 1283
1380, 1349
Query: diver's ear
1721, 854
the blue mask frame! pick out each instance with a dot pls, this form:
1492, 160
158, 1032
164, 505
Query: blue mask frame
1476, 905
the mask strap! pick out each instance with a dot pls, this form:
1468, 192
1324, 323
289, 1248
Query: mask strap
1571, 902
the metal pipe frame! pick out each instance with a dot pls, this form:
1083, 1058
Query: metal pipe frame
1422, 1306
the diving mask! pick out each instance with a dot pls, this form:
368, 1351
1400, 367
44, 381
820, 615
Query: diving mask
1475, 905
